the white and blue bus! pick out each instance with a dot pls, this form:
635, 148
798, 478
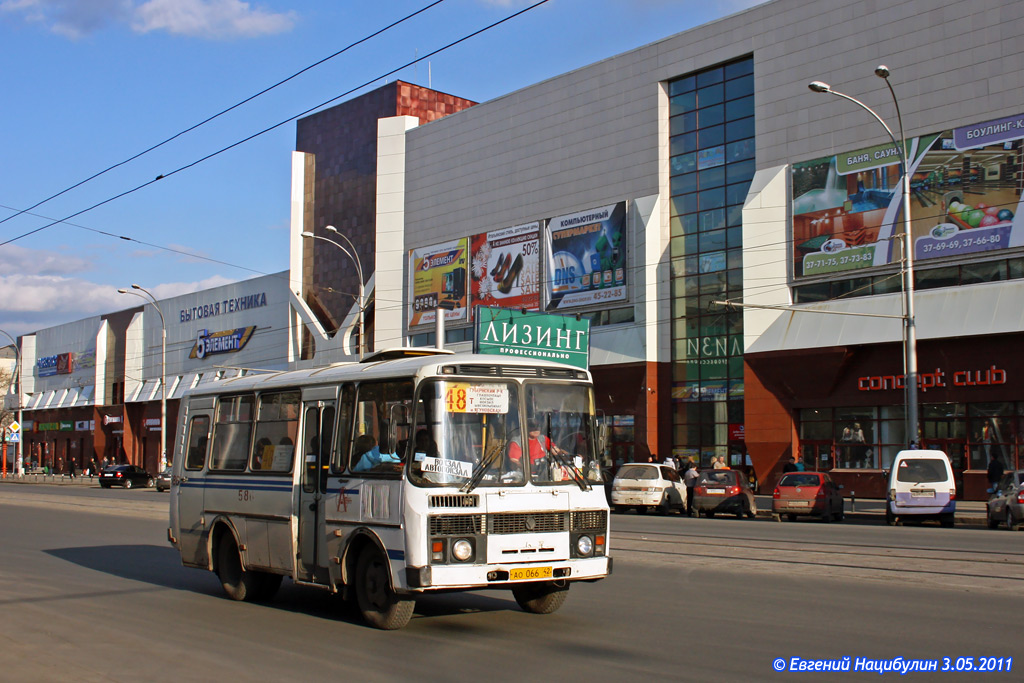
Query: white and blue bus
414, 471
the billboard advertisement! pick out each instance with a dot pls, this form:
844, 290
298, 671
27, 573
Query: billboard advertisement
506, 267
437, 278
847, 208
586, 258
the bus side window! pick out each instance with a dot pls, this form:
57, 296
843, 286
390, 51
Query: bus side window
232, 433
370, 450
198, 438
277, 427
339, 459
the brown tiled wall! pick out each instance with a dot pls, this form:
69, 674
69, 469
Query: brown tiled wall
343, 143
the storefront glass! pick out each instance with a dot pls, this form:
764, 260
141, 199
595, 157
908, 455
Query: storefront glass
869, 437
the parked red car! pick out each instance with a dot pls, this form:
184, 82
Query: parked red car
807, 494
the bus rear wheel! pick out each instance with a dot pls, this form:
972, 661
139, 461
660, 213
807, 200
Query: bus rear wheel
540, 598
380, 606
238, 583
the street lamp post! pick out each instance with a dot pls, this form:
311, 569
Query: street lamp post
910, 325
163, 370
354, 255
16, 380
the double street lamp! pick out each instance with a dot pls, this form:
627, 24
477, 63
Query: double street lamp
354, 255
910, 337
163, 370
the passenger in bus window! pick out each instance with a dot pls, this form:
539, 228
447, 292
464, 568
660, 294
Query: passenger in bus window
369, 456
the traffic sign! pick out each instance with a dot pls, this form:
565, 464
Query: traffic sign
15, 427
14, 438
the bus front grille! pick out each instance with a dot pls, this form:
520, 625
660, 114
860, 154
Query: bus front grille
589, 520
525, 522
456, 525
454, 501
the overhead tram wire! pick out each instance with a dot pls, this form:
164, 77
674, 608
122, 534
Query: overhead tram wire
278, 125
220, 113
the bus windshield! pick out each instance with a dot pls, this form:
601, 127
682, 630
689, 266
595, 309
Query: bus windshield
470, 433
560, 434
462, 433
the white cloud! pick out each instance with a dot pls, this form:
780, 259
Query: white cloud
213, 19
209, 18
40, 262
34, 302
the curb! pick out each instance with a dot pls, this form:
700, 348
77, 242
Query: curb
961, 519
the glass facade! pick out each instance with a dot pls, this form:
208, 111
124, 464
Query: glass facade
711, 145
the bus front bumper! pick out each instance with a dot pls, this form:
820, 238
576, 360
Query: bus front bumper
463, 577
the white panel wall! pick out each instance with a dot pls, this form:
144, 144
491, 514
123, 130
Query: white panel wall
597, 135
390, 243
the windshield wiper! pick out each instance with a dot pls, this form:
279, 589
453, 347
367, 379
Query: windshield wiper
577, 475
485, 464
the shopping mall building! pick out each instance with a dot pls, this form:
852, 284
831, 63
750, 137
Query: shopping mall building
641, 192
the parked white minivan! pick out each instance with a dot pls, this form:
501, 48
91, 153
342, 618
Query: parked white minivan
921, 486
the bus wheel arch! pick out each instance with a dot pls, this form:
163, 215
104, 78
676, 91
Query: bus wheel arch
238, 582
369, 579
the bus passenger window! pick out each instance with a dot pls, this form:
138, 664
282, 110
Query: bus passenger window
198, 437
277, 427
231, 435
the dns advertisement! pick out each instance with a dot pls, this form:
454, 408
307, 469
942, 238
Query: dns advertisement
438, 280
586, 258
506, 267
964, 199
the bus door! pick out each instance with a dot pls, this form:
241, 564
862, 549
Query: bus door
188, 483
317, 440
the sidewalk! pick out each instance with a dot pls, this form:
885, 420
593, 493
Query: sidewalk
52, 479
968, 512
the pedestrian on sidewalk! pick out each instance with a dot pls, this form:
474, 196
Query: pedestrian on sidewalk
71, 468
690, 479
995, 472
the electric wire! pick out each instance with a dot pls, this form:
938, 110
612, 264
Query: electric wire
220, 113
277, 125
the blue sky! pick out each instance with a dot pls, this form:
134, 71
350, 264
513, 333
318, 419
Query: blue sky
90, 83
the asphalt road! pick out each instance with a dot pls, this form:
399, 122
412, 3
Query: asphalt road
90, 590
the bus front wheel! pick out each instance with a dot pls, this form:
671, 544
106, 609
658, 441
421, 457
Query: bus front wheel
380, 606
540, 598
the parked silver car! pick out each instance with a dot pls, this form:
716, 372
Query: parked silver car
1006, 504
648, 486
163, 480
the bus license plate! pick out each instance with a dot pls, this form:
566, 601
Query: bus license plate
529, 573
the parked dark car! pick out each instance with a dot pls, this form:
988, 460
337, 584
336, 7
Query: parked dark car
1006, 504
807, 494
723, 491
127, 476
163, 480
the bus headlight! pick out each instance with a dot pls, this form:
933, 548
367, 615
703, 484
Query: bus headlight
462, 550
584, 545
